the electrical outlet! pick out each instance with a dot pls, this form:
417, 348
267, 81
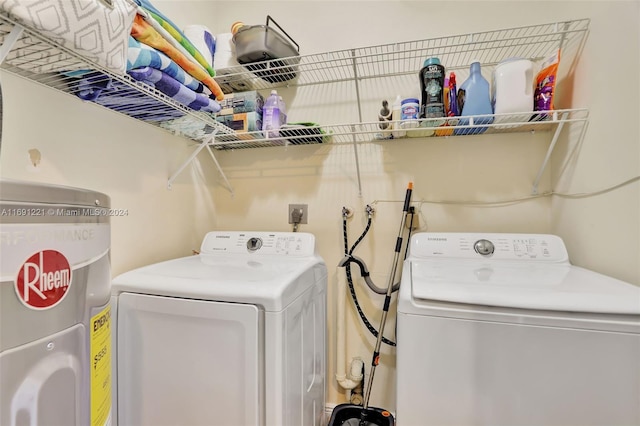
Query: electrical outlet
295, 208
413, 221
412, 226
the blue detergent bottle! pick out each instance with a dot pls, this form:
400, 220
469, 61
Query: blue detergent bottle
474, 98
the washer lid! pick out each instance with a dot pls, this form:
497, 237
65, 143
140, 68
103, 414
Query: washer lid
527, 285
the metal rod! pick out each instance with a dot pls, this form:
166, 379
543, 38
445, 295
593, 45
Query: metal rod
189, 160
563, 35
355, 153
536, 182
387, 299
355, 139
9, 41
356, 82
224, 177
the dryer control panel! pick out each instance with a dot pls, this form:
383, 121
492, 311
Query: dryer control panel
259, 243
494, 246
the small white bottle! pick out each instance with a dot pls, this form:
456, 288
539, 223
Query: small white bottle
396, 115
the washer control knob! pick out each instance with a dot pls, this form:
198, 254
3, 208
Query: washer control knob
484, 247
254, 244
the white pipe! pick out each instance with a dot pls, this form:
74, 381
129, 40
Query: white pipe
355, 372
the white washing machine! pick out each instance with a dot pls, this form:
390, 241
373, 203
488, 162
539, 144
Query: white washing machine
500, 329
233, 336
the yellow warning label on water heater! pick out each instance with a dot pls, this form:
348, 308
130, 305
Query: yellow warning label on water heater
101, 368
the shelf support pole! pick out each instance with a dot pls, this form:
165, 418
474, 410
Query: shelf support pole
356, 82
536, 182
355, 152
224, 177
204, 144
9, 41
188, 161
563, 37
355, 139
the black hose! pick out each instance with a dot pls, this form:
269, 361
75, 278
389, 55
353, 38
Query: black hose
349, 252
352, 290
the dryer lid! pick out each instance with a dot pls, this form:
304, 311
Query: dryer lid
260, 268
268, 282
526, 285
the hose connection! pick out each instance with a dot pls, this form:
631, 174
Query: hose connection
369, 210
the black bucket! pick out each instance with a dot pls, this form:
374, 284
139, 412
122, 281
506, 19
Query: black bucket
350, 415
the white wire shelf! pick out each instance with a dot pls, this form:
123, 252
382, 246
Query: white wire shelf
425, 128
27, 54
534, 42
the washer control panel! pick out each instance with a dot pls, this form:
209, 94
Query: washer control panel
494, 246
259, 243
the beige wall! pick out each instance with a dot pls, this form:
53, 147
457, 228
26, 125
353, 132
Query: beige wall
601, 231
88, 147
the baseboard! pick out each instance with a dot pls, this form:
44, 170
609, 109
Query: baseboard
328, 410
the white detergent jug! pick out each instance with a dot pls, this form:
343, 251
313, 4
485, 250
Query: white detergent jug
512, 88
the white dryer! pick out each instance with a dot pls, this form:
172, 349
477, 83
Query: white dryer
233, 336
500, 329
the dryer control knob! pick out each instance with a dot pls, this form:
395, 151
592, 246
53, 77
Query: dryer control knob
254, 244
484, 247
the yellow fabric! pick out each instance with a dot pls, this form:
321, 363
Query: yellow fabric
145, 33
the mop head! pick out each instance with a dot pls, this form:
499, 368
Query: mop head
351, 415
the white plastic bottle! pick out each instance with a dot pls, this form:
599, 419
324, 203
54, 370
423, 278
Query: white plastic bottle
283, 111
512, 88
271, 116
396, 116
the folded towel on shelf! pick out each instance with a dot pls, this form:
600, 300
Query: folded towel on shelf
174, 30
140, 55
183, 40
92, 84
115, 95
172, 88
171, 39
91, 29
144, 33
146, 4
203, 40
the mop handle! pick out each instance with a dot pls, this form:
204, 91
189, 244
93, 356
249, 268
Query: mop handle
387, 299
407, 197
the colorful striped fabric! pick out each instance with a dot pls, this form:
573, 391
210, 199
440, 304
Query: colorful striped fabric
175, 90
144, 33
184, 41
140, 55
174, 30
101, 89
165, 34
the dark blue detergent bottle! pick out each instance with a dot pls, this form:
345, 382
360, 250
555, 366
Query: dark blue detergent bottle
474, 98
